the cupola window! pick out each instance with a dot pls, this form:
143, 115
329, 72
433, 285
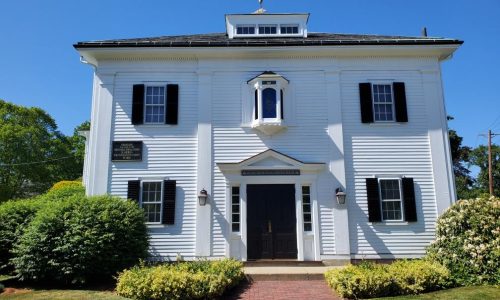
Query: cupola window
269, 90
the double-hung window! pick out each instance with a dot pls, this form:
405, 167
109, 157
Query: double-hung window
154, 104
383, 103
151, 201
391, 200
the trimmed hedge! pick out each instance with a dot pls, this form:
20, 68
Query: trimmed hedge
468, 241
186, 280
404, 277
15, 216
81, 239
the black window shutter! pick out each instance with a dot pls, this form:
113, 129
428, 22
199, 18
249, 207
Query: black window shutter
365, 98
400, 101
374, 214
256, 114
138, 104
172, 112
134, 188
409, 203
169, 202
281, 105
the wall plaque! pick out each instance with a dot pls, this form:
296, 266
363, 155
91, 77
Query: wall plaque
270, 172
127, 151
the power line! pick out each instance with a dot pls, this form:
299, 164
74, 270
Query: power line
35, 162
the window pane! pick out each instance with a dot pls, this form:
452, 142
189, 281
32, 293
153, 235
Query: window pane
236, 227
307, 227
269, 103
391, 210
389, 189
307, 217
155, 104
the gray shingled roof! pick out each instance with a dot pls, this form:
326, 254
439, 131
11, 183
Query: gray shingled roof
222, 40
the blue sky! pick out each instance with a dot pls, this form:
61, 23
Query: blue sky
39, 67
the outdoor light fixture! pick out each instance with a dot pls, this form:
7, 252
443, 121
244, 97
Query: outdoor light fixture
202, 197
340, 196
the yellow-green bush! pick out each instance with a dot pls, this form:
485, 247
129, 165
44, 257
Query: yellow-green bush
468, 241
370, 280
186, 280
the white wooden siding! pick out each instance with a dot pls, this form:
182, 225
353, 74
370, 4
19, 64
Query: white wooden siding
169, 152
308, 141
387, 149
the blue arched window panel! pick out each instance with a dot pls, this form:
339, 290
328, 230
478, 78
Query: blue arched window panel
269, 103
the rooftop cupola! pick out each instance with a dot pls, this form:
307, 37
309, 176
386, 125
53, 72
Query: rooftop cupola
262, 24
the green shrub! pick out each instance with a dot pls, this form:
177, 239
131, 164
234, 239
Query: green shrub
15, 215
1, 287
65, 184
81, 239
468, 241
370, 280
186, 280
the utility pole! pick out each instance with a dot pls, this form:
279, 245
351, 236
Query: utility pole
490, 158
490, 171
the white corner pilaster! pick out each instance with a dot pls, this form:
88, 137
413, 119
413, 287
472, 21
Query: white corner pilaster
337, 165
444, 182
205, 164
100, 134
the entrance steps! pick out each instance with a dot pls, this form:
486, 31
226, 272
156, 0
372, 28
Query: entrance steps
285, 270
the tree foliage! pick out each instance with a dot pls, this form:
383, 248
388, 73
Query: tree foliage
479, 157
460, 156
33, 153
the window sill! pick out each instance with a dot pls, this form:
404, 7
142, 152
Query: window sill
385, 124
155, 225
269, 127
153, 125
391, 223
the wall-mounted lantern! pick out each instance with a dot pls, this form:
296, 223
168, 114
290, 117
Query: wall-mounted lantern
340, 195
202, 197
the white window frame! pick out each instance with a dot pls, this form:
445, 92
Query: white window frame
304, 222
239, 210
390, 84
260, 87
268, 25
246, 34
289, 25
161, 199
391, 200
155, 105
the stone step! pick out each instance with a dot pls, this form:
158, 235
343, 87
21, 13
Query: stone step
266, 273
282, 263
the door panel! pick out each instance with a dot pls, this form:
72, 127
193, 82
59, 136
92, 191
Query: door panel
271, 221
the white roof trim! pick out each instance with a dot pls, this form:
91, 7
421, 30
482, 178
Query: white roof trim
289, 163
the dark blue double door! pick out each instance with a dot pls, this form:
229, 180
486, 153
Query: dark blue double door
271, 221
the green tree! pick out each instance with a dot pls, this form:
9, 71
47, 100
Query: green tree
78, 142
33, 153
460, 156
479, 157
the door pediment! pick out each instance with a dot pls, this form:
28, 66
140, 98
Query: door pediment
271, 160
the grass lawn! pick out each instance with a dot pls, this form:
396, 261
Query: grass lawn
462, 293
59, 294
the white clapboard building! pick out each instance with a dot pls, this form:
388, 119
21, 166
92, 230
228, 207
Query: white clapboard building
268, 141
